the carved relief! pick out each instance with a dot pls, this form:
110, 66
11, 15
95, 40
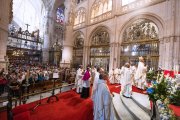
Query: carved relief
101, 37
141, 29
79, 41
140, 39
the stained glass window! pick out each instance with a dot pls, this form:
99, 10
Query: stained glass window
60, 15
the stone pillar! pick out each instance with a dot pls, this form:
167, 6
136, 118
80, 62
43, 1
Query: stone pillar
176, 51
111, 63
5, 8
67, 52
45, 50
161, 55
86, 56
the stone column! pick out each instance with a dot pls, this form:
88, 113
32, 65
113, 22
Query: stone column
5, 16
161, 55
176, 51
47, 38
111, 64
67, 52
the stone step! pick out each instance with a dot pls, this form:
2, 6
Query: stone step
142, 100
120, 110
134, 109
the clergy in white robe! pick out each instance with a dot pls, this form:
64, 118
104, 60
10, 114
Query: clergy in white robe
122, 77
112, 78
133, 69
103, 106
139, 73
143, 82
96, 78
93, 73
78, 80
126, 81
117, 75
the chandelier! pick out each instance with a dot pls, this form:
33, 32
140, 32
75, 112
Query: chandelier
18, 53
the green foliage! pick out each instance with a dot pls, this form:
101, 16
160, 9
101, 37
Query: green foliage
151, 75
175, 98
160, 91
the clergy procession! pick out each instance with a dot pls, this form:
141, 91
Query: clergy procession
129, 75
89, 60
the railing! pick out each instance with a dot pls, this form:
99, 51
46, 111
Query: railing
23, 98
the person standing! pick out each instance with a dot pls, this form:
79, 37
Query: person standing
139, 73
126, 81
86, 83
78, 81
112, 76
96, 78
103, 106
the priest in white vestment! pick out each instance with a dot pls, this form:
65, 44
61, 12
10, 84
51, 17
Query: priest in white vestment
122, 77
117, 75
78, 80
133, 69
103, 106
127, 81
112, 78
139, 75
95, 82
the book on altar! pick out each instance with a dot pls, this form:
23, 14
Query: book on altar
55, 75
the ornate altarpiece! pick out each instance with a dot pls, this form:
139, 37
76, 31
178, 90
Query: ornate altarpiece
140, 39
100, 49
78, 51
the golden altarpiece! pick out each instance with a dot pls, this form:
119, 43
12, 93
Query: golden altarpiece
78, 51
100, 49
140, 39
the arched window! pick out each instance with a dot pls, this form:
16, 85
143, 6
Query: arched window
60, 15
80, 16
100, 7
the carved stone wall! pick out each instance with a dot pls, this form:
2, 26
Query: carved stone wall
5, 18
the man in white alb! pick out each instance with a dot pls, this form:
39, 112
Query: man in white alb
140, 74
103, 106
78, 81
96, 78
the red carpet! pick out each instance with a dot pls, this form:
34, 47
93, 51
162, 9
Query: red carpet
117, 88
69, 107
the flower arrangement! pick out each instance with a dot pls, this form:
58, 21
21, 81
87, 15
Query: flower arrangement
158, 90
151, 75
174, 85
160, 93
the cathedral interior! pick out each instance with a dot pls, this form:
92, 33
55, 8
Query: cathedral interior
42, 36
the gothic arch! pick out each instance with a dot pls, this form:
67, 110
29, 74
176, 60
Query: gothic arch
140, 37
152, 17
98, 28
78, 49
79, 35
100, 47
